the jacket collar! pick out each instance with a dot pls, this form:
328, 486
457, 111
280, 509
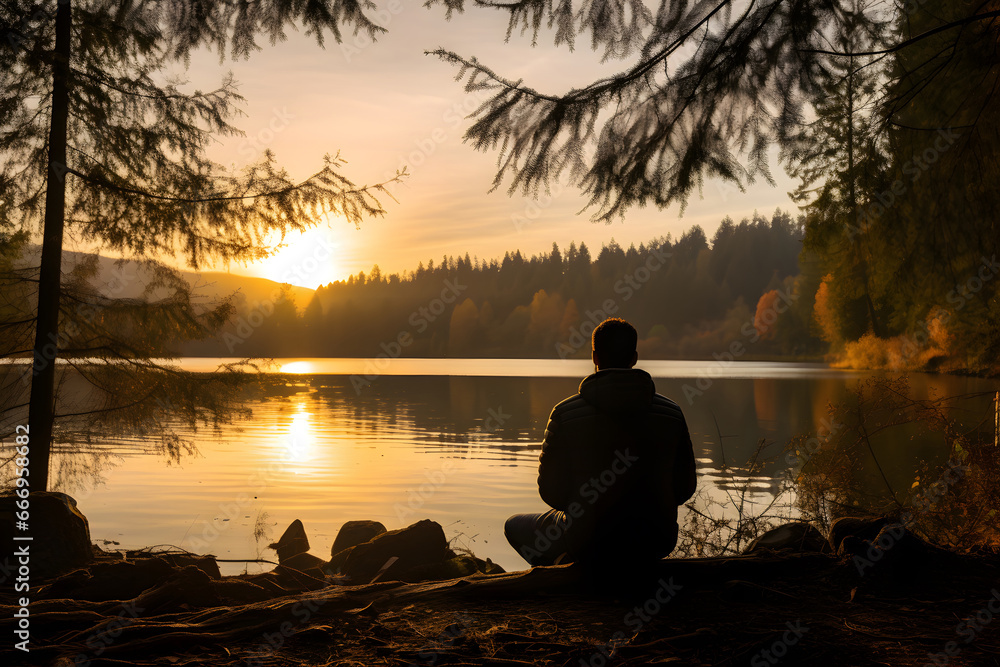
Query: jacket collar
618, 390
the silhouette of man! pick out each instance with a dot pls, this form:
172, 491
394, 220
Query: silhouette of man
616, 462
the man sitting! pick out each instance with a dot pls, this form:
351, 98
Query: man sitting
616, 462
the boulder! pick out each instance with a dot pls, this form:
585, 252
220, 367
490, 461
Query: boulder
354, 533
186, 588
206, 564
123, 580
292, 542
336, 563
863, 528
462, 565
306, 563
60, 533
796, 536
898, 558
420, 544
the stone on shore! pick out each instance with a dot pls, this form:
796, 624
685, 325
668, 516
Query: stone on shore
206, 564
796, 536
60, 532
306, 563
863, 528
419, 545
353, 533
292, 542
121, 580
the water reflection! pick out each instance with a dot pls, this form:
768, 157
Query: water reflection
298, 443
323, 451
298, 368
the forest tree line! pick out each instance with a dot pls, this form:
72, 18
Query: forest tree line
688, 297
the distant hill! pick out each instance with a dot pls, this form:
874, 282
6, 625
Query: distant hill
129, 280
218, 283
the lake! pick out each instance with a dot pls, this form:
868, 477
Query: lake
454, 440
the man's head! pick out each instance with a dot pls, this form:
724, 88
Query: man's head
614, 343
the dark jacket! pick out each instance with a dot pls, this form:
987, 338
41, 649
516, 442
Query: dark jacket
617, 459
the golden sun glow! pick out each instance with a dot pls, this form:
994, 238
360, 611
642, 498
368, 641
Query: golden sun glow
298, 367
308, 260
299, 440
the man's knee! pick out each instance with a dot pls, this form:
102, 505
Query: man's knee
508, 527
514, 530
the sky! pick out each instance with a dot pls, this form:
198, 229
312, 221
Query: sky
386, 105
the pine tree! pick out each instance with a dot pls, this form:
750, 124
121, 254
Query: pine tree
705, 90
93, 145
839, 160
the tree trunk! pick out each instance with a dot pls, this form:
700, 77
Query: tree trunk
853, 194
41, 410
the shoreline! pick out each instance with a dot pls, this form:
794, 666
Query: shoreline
707, 611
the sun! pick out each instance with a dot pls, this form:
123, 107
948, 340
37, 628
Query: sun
308, 260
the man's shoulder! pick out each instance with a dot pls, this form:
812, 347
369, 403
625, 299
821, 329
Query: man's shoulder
662, 405
576, 407
572, 407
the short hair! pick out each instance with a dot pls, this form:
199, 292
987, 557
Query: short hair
614, 341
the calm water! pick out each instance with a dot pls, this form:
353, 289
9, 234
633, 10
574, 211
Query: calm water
456, 441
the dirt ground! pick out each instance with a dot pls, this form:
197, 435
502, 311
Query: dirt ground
793, 609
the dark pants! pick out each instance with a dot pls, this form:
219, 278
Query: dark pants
539, 538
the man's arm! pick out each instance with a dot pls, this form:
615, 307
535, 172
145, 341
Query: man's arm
685, 477
554, 466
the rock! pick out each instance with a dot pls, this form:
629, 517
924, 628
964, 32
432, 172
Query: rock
896, 558
863, 528
420, 544
354, 533
462, 565
797, 536
206, 564
292, 542
336, 563
306, 563
110, 581
184, 589
60, 532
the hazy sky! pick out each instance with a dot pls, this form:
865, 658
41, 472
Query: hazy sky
387, 104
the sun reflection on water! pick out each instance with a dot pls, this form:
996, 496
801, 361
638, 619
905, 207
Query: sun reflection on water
299, 440
299, 368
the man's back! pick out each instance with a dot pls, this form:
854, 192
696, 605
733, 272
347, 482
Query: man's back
617, 459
